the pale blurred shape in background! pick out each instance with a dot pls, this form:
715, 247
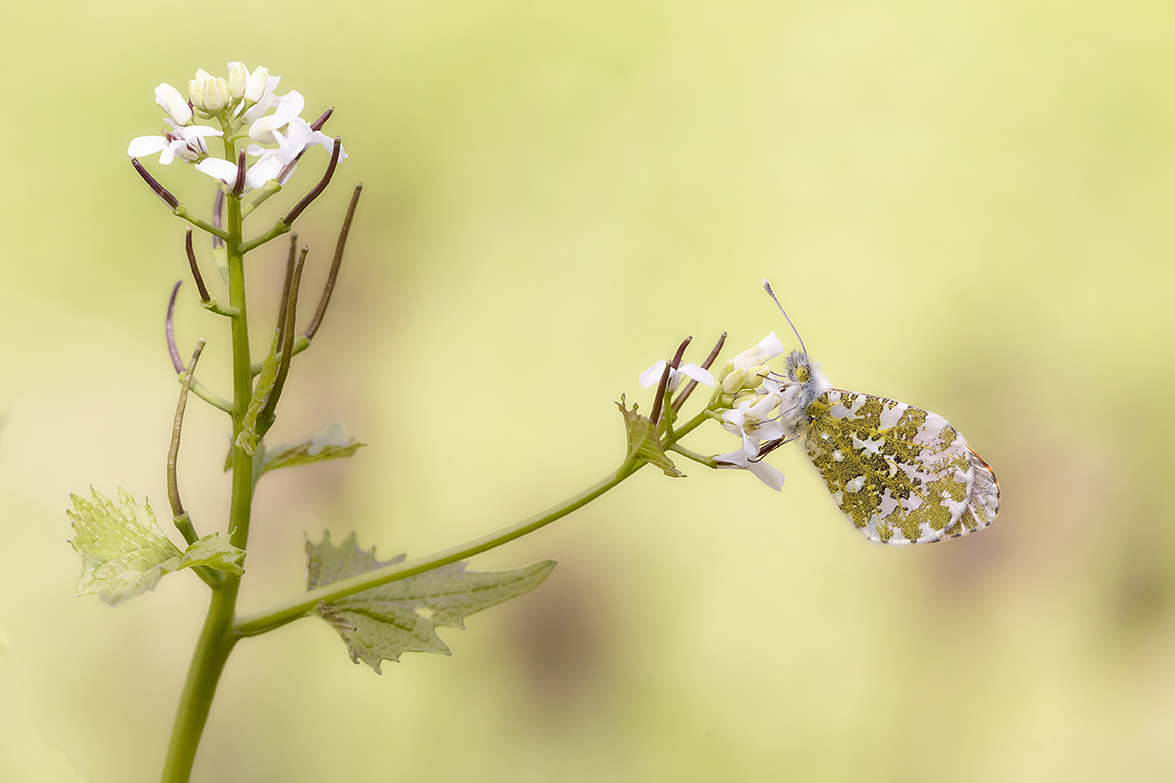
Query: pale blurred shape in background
966, 206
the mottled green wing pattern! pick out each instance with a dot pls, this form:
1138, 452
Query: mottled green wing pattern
901, 475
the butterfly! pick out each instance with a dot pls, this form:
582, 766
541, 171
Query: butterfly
900, 474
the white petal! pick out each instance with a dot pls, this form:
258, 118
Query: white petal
263, 171
750, 447
693, 371
764, 406
170, 152
291, 105
199, 131
652, 376
766, 349
262, 130
770, 430
768, 474
257, 111
219, 169
145, 145
170, 100
769, 347
734, 417
760, 470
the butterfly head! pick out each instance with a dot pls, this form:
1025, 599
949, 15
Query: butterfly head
798, 368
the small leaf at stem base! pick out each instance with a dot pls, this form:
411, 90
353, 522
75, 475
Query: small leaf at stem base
124, 552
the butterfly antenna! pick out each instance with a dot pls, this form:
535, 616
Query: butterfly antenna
770, 293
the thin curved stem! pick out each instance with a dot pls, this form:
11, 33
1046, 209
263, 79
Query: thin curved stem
291, 609
182, 521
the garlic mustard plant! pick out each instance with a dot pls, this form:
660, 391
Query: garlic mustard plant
382, 609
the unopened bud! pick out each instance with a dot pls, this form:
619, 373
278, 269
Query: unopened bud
755, 376
209, 93
238, 78
255, 86
734, 381
170, 100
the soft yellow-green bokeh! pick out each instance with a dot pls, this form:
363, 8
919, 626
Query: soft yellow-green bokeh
966, 206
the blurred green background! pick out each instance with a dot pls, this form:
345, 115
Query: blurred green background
966, 206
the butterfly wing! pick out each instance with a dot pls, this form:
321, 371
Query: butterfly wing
900, 474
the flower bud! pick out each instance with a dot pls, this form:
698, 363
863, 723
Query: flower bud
746, 397
238, 77
216, 95
734, 380
255, 86
170, 100
755, 376
209, 93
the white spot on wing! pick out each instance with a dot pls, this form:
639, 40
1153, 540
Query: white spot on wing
868, 447
891, 416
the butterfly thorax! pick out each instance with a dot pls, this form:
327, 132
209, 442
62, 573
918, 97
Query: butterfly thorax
805, 384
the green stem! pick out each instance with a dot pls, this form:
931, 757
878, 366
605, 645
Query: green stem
212, 306
701, 459
212, 650
211, 397
278, 229
217, 638
182, 211
293, 608
685, 429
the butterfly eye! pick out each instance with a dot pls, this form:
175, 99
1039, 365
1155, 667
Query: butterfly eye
803, 373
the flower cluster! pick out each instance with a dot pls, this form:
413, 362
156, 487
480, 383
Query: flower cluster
241, 105
750, 402
752, 397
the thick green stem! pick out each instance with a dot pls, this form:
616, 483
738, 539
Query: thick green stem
217, 638
212, 650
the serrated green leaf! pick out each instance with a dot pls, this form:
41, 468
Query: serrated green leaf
213, 552
643, 441
123, 550
402, 616
331, 443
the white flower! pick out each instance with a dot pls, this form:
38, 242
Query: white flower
769, 475
170, 100
751, 420
185, 143
209, 93
259, 93
265, 169
748, 368
652, 376
766, 350
290, 132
